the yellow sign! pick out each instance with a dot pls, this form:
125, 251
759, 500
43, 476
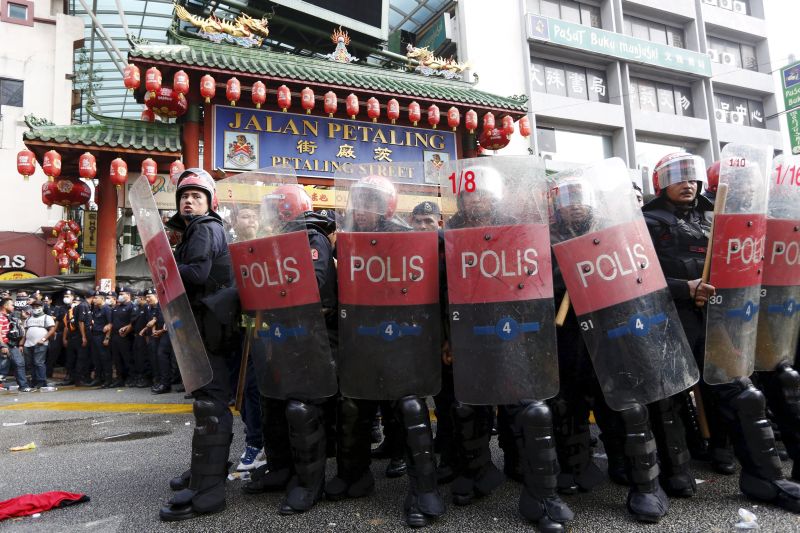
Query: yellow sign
16, 274
89, 234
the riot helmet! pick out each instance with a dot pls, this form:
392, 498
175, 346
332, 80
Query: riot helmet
712, 173
199, 179
371, 199
481, 192
571, 202
677, 167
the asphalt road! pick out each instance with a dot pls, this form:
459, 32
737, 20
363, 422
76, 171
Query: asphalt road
121, 446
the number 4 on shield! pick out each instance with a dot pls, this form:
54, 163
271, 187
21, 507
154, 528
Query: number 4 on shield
465, 179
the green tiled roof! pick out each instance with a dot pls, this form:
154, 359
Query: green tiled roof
221, 57
109, 132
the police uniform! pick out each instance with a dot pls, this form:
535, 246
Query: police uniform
122, 346
101, 355
77, 353
140, 348
56, 348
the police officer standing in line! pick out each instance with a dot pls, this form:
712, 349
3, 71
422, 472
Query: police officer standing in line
164, 356
122, 315
77, 324
204, 265
678, 221
56, 346
101, 336
140, 353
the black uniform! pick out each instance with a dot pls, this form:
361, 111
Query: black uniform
121, 347
204, 264
140, 349
101, 355
55, 348
680, 241
77, 353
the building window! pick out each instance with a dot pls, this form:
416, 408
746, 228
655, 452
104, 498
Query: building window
572, 147
17, 12
661, 97
11, 92
567, 10
569, 80
732, 53
654, 32
739, 111
738, 6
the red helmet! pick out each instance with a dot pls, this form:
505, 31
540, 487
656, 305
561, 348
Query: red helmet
677, 167
713, 177
290, 201
197, 178
377, 187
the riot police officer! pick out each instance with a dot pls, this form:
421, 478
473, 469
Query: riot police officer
678, 220
122, 315
77, 322
205, 267
140, 345
101, 337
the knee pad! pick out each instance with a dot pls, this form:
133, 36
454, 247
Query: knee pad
635, 416
208, 409
537, 414
412, 407
560, 406
348, 409
299, 413
463, 411
789, 379
750, 401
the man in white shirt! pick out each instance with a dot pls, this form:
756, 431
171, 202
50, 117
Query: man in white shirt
39, 329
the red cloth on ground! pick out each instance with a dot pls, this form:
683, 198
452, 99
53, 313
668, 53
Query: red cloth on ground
29, 504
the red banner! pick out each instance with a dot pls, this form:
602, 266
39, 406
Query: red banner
498, 264
163, 269
738, 250
275, 272
388, 268
609, 266
782, 253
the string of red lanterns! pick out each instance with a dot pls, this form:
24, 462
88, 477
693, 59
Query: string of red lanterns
65, 248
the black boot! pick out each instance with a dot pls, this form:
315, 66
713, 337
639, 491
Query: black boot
275, 475
507, 439
211, 446
180, 482
539, 501
307, 435
647, 501
667, 425
782, 389
573, 439
476, 474
754, 443
423, 500
353, 477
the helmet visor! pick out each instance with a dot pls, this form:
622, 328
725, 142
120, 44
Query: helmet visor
688, 168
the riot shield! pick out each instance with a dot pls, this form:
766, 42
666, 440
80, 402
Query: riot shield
778, 325
736, 263
389, 314
624, 309
499, 280
190, 352
269, 215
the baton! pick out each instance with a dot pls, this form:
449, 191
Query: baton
243, 368
563, 309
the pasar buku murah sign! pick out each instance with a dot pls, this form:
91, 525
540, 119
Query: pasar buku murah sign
248, 139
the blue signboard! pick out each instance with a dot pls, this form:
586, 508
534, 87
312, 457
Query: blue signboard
248, 139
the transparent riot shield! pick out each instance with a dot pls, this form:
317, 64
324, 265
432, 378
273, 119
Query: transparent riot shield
499, 280
389, 313
778, 325
271, 224
190, 352
624, 309
736, 263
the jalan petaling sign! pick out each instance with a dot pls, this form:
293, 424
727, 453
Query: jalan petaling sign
248, 139
616, 45
791, 98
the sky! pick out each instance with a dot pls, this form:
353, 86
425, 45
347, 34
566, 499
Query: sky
782, 18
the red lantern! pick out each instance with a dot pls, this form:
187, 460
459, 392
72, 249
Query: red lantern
471, 121
131, 77
59, 247
176, 168
259, 94
59, 227
393, 109
150, 170
74, 227
63, 263
307, 99
508, 125
152, 79
118, 173
69, 192
70, 238
26, 163
208, 87
524, 126
51, 164
166, 103
433, 115
233, 91
414, 113
284, 97
180, 83
373, 109
73, 255
331, 102
453, 118
352, 105
493, 139
87, 166
488, 122
47, 193
148, 115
